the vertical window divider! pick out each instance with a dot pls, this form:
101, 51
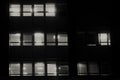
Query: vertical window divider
21, 69
56, 39
21, 38
33, 69
87, 64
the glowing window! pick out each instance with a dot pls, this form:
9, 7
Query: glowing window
62, 39
51, 70
27, 39
82, 69
63, 70
27, 10
14, 39
51, 39
39, 69
93, 69
27, 69
14, 69
38, 10
38, 39
14, 10
104, 39
50, 9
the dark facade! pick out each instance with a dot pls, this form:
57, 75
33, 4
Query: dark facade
69, 40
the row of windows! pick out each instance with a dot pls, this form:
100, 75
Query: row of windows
27, 39
53, 69
48, 9
52, 39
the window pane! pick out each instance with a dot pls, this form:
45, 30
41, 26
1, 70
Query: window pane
91, 39
27, 69
63, 70
82, 69
93, 69
14, 39
38, 10
14, 10
39, 39
50, 10
39, 69
27, 10
104, 39
14, 69
27, 39
62, 39
51, 39
51, 70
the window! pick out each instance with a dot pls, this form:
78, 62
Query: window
82, 68
62, 39
51, 69
38, 39
14, 10
38, 10
27, 39
27, 10
51, 39
14, 39
39, 69
14, 69
104, 39
50, 9
93, 69
63, 70
27, 69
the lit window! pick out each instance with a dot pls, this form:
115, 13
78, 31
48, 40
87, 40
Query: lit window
51, 70
62, 39
27, 69
14, 39
27, 39
82, 69
14, 69
14, 10
93, 69
51, 39
39, 69
50, 10
104, 39
38, 10
63, 70
27, 10
38, 39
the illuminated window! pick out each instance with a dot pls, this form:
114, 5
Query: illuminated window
38, 10
39, 69
27, 69
51, 70
14, 10
14, 39
27, 39
14, 69
82, 69
38, 39
51, 39
104, 39
93, 69
62, 39
27, 10
63, 70
50, 9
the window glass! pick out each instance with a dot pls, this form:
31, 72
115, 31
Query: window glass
82, 68
38, 39
50, 9
27, 69
14, 39
62, 39
51, 38
38, 10
93, 69
39, 69
14, 69
51, 70
63, 70
27, 39
27, 10
14, 10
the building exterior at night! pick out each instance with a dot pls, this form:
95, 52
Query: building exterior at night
59, 40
